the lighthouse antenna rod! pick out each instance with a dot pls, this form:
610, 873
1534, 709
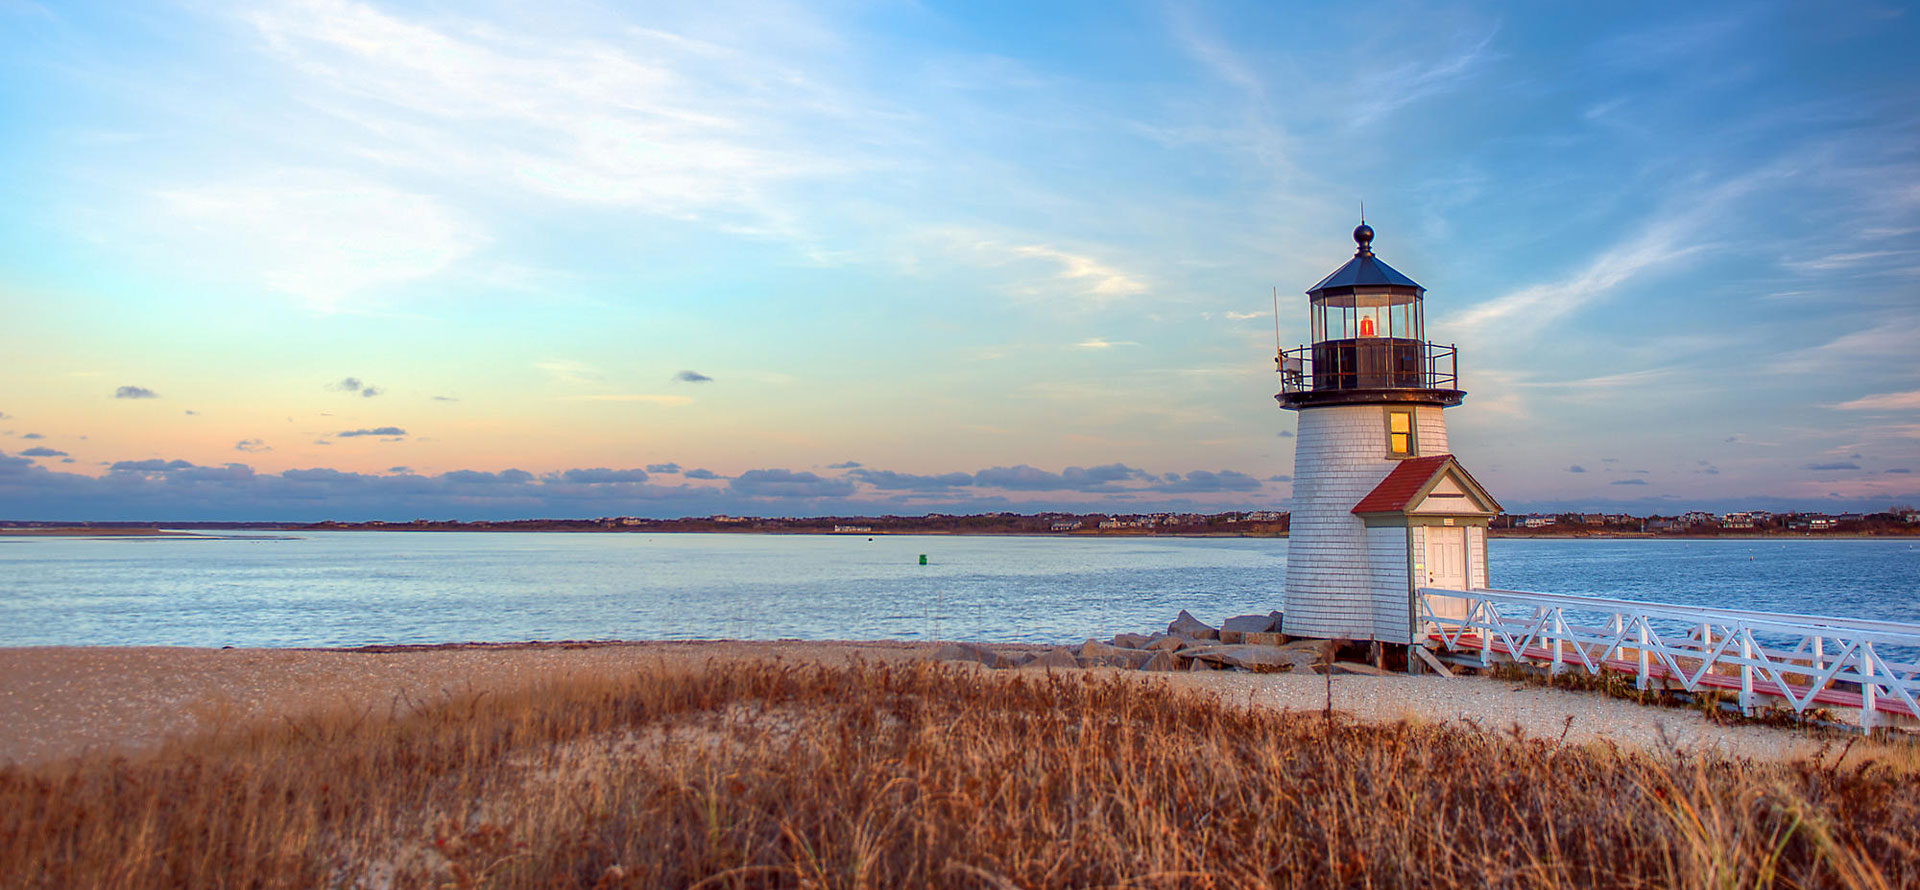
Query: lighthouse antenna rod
1276, 320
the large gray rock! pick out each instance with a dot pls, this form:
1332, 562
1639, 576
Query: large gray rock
1193, 627
1248, 623
1169, 644
973, 652
1129, 659
1260, 659
1164, 661
1057, 658
1239, 628
1131, 641
1094, 653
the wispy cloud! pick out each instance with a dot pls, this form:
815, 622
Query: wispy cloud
135, 392
568, 371
1672, 233
639, 117
1101, 343
392, 431
1844, 260
1523, 312
1257, 128
1385, 89
648, 398
1604, 382
323, 236
1080, 274
1886, 345
1890, 401
692, 377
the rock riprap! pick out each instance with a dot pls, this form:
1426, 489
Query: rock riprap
1189, 626
1243, 642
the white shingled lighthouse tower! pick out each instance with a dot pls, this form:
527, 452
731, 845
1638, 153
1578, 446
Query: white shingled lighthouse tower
1380, 506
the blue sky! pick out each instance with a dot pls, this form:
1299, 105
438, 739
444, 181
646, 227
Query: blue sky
995, 256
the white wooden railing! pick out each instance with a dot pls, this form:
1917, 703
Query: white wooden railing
1809, 661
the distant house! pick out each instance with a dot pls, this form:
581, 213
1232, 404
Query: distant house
1737, 520
1819, 523
852, 529
1538, 521
1695, 517
1066, 526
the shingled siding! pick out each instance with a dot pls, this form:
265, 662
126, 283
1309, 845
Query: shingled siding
1340, 454
1392, 595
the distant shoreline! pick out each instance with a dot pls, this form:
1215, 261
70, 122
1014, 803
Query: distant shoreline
161, 530
92, 532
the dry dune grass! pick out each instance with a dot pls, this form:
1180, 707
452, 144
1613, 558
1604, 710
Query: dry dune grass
910, 775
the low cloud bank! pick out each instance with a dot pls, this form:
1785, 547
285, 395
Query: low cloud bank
163, 489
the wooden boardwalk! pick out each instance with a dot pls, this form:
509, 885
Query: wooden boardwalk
1806, 662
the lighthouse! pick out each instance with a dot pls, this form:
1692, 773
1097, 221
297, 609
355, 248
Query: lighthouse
1381, 506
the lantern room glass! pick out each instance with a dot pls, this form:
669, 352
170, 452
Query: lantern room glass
1368, 314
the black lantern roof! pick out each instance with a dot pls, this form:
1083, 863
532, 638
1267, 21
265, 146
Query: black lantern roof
1364, 272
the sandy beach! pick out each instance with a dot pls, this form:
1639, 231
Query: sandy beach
68, 701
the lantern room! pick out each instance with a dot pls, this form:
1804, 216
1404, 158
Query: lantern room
1369, 335
1366, 299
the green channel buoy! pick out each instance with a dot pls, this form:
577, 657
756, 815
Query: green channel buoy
923, 559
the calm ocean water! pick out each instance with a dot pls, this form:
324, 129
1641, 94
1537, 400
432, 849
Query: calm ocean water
353, 588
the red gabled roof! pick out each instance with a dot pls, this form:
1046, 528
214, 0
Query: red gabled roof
1394, 492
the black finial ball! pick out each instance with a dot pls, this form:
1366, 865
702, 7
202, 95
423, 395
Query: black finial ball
1363, 236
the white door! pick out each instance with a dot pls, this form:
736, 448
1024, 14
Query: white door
1447, 569
1447, 558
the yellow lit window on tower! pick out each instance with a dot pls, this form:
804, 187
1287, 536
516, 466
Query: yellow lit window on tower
1400, 433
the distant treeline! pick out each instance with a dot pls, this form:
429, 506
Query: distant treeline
1898, 521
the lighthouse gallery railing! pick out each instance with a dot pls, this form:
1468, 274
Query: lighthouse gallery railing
1809, 661
1369, 363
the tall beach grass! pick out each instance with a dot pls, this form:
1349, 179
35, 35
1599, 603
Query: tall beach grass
779, 775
